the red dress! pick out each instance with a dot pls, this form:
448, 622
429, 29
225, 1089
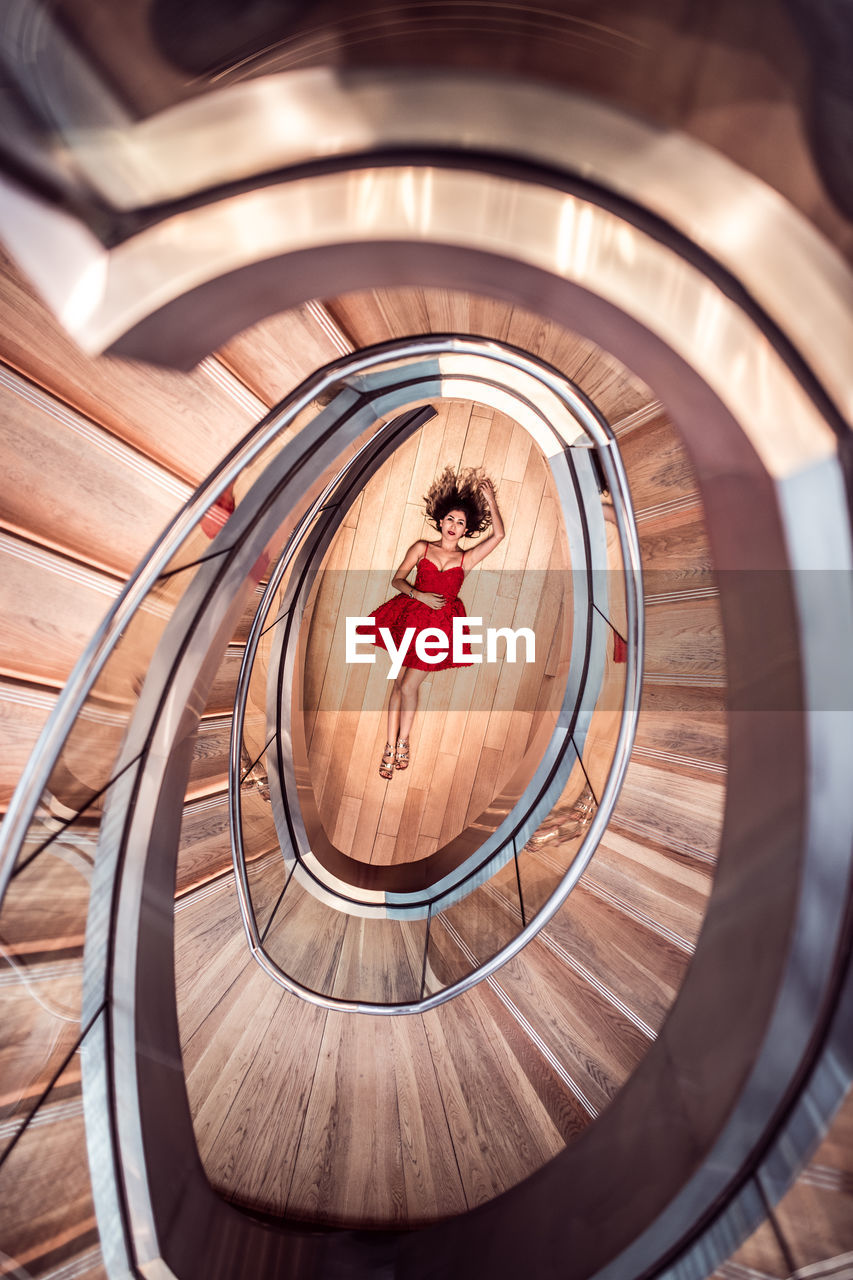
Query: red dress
402, 611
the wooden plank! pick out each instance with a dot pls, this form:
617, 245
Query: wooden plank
40, 1027
380, 960
675, 551
501, 1130
685, 637
276, 1085
276, 354
681, 814
432, 1183
668, 889
205, 849
683, 729
23, 710
43, 1231
221, 1072
51, 605
349, 1167
210, 955
657, 463
640, 967
593, 1039
209, 768
75, 488
223, 690
131, 400
758, 1258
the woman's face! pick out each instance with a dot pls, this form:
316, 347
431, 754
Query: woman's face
453, 526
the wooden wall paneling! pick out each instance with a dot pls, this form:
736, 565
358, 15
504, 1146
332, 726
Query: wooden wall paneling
184, 421
278, 353
378, 315
72, 486
50, 605
41, 1231
23, 710
361, 315
613, 389
41, 1004
404, 310
450, 311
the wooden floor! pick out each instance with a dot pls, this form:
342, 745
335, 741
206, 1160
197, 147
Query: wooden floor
474, 726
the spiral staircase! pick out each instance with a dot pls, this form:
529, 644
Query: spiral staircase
504, 1128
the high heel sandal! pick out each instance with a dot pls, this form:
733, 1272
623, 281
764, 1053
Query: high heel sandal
401, 755
386, 768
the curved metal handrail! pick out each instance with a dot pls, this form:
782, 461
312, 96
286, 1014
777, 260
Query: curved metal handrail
46, 751
596, 431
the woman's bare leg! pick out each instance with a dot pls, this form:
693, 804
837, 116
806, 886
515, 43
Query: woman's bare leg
394, 709
409, 689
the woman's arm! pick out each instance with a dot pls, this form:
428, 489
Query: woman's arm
401, 583
487, 546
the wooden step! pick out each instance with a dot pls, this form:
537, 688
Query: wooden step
184, 421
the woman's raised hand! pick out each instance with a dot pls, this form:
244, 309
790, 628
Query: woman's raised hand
432, 599
488, 492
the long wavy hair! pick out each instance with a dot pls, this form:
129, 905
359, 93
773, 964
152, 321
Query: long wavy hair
459, 491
